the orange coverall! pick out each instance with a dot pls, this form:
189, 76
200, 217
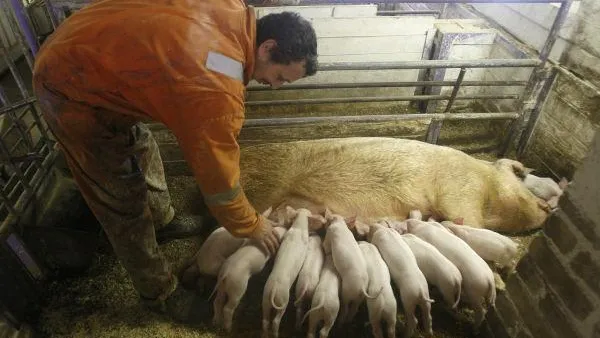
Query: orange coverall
115, 63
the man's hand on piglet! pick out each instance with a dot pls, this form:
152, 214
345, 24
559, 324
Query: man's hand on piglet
266, 237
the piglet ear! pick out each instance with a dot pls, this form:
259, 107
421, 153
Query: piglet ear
527, 170
350, 221
316, 222
290, 212
361, 229
267, 212
280, 220
563, 183
415, 214
459, 221
328, 215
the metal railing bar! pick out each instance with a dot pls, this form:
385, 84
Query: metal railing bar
359, 85
459, 80
379, 118
377, 99
481, 63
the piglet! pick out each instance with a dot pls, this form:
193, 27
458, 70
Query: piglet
477, 277
405, 272
233, 278
349, 263
438, 270
545, 188
219, 245
383, 307
288, 262
325, 302
488, 244
308, 278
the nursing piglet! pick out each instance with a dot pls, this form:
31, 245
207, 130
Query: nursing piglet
383, 307
288, 262
349, 263
405, 272
438, 270
233, 278
488, 244
326, 301
308, 278
478, 279
219, 245
545, 188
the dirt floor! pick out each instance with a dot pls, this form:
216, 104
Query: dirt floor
101, 302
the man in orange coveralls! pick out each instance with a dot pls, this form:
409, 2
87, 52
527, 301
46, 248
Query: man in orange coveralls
184, 63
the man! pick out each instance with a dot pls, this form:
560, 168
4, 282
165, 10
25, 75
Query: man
180, 62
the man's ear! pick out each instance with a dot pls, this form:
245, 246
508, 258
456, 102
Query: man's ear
265, 48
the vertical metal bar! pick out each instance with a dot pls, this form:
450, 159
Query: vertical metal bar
25, 24
21, 176
16, 122
435, 127
535, 114
51, 13
40, 125
7, 203
442, 49
536, 77
443, 11
15, 72
459, 80
12, 27
561, 16
424, 72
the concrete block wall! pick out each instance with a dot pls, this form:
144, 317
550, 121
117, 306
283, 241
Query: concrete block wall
566, 127
570, 115
555, 291
583, 55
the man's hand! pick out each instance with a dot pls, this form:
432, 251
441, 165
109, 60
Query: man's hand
266, 237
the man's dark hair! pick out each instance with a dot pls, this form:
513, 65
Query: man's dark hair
296, 39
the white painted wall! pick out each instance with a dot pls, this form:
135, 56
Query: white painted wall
353, 33
475, 47
531, 22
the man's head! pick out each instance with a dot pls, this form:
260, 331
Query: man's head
286, 49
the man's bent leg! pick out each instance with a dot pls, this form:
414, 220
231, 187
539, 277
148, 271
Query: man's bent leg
97, 148
168, 224
150, 162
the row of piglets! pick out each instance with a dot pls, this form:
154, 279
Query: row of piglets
336, 274
235, 260
453, 257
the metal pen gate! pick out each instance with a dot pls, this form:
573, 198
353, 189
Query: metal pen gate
27, 150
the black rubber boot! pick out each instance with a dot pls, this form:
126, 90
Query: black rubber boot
184, 227
183, 306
